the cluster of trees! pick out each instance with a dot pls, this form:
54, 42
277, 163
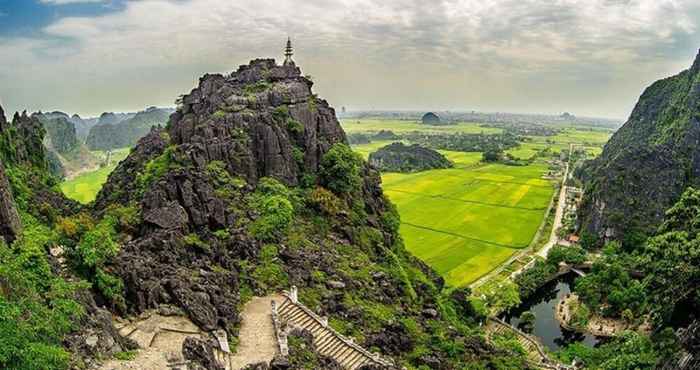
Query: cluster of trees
653, 277
466, 142
543, 271
649, 279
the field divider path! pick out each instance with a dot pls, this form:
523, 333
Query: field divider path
463, 236
466, 201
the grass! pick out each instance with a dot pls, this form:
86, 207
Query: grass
84, 188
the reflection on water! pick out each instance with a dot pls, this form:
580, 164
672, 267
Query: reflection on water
546, 327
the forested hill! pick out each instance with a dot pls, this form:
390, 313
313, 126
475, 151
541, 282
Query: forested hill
647, 164
120, 131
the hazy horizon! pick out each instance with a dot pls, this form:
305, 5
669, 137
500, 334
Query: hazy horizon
590, 58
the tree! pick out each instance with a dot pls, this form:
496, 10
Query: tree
500, 296
341, 169
671, 259
527, 321
492, 155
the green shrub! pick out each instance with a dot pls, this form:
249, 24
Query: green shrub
326, 201
269, 273
219, 114
193, 240
255, 88
295, 126
97, 245
125, 355
571, 255
271, 201
281, 114
579, 315
156, 168
276, 213
222, 234
112, 287
341, 169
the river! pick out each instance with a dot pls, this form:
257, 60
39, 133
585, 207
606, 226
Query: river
542, 304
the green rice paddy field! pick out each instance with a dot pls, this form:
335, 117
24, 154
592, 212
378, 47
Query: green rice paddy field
467, 220
84, 188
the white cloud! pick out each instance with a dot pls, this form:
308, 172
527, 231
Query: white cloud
63, 2
586, 56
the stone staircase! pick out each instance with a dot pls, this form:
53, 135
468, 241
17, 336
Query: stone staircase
287, 314
328, 342
536, 356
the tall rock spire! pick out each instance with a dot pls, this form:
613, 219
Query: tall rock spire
288, 52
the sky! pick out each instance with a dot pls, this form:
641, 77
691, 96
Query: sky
587, 57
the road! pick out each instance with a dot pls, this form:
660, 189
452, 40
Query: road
559, 214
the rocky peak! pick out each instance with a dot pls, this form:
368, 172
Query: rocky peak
262, 120
265, 69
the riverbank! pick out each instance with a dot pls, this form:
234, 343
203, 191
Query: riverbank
596, 325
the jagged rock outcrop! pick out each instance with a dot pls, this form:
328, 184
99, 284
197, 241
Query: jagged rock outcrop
10, 225
648, 163
273, 105
201, 355
398, 157
3, 120
253, 122
27, 134
119, 131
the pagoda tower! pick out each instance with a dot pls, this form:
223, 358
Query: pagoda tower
288, 52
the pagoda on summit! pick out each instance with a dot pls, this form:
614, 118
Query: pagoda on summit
288, 52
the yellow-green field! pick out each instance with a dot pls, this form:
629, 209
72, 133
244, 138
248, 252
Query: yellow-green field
467, 220
84, 188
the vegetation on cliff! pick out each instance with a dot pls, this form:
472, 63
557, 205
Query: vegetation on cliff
647, 164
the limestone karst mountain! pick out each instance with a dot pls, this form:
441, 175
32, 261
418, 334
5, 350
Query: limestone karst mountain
67, 154
431, 118
648, 163
123, 130
398, 157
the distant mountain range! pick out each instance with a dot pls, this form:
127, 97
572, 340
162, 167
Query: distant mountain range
119, 130
69, 139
